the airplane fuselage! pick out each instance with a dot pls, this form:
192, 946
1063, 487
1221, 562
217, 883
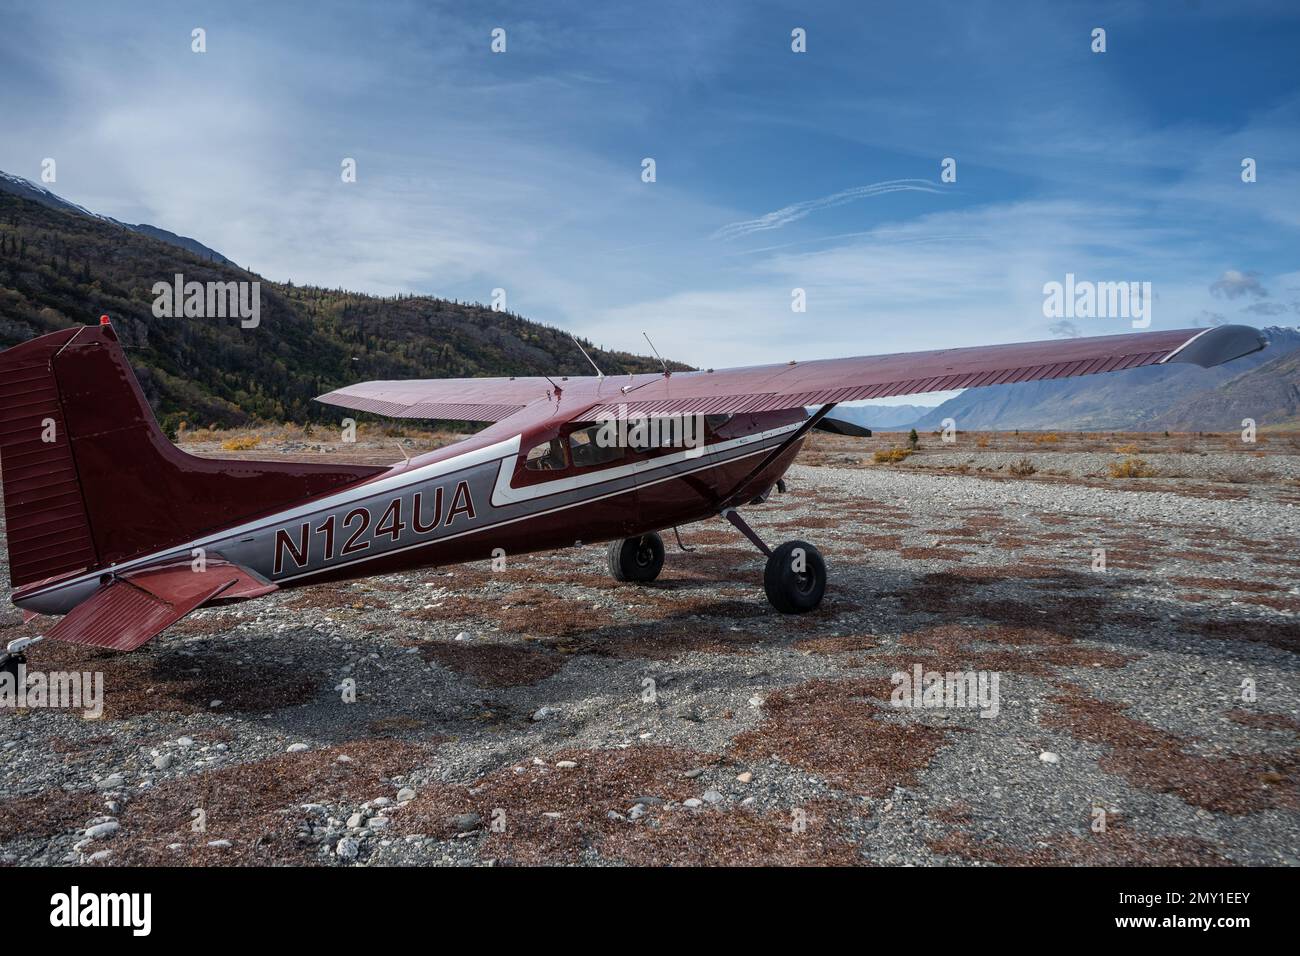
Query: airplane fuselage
482, 499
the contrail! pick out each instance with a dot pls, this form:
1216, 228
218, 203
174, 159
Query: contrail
788, 214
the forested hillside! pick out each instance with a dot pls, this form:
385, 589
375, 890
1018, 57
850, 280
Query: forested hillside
60, 268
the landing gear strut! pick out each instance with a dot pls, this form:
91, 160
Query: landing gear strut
795, 576
637, 559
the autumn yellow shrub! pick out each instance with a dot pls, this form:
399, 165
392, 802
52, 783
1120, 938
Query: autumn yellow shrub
891, 455
1131, 468
242, 443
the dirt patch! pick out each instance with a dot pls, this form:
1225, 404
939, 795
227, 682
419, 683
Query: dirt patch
47, 814
837, 729
494, 665
580, 800
256, 805
1154, 759
838, 644
1117, 846
1264, 721
165, 678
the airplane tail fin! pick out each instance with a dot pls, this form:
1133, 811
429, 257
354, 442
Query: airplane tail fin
89, 478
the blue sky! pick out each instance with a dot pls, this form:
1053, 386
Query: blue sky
522, 170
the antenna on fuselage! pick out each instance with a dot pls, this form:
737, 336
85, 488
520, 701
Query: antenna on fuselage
656, 352
599, 373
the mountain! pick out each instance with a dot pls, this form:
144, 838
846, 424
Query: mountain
26, 189
882, 416
61, 265
1136, 399
1269, 394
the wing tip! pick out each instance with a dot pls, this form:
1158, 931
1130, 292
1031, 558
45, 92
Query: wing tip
1219, 344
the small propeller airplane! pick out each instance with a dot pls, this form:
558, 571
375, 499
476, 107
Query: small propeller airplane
112, 526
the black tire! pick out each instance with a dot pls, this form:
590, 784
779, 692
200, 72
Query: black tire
9, 664
637, 559
791, 591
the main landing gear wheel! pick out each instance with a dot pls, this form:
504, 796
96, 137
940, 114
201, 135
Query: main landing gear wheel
637, 559
795, 578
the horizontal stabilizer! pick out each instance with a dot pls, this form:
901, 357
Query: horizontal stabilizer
838, 426
133, 609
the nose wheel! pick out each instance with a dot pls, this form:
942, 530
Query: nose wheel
637, 559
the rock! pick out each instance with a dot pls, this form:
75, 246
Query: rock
296, 748
381, 802
464, 636
185, 741
566, 764
745, 777
99, 857
712, 796
466, 822
1048, 757
162, 761
406, 793
637, 812
377, 823
755, 701
541, 713
692, 774
347, 849
111, 782
216, 703
693, 802
220, 844
101, 830
356, 821
343, 758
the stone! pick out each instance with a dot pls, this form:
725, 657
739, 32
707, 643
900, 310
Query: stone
466, 822
347, 849
745, 777
1048, 757
296, 748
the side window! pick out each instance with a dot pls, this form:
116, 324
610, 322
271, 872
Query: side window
587, 451
548, 456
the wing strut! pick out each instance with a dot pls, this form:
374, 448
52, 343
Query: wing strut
776, 452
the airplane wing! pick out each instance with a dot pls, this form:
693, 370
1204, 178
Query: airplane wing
136, 607
800, 384
460, 399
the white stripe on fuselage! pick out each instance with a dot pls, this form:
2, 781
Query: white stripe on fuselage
505, 451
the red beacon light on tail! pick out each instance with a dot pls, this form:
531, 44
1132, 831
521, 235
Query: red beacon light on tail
103, 320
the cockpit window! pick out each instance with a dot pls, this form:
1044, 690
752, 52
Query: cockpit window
548, 456
588, 451
714, 422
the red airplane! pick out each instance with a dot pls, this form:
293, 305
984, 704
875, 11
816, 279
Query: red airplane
114, 527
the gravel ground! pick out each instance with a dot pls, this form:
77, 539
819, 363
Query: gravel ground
1147, 713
